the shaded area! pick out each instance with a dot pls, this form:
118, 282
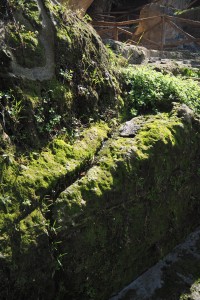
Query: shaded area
177, 276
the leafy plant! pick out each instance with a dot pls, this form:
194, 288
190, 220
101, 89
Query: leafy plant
87, 18
148, 90
15, 111
67, 75
47, 118
5, 203
30, 9
189, 72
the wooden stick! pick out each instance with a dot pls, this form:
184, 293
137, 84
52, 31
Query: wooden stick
115, 33
162, 34
123, 16
150, 41
102, 23
191, 4
132, 42
197, 23
148, 29
189, 37
125, 31
172, 24
105, 16
145, 31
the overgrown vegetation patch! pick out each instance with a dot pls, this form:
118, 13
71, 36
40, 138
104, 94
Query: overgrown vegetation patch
147, 90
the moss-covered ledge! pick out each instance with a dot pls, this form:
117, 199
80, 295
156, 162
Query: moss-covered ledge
131, 208
25, 185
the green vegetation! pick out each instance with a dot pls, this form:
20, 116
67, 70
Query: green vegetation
150, 91
29, 8
76, 197
31, 51
187, 72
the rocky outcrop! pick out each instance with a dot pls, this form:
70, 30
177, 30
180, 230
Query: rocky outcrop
105, 6
153, 33
43, 51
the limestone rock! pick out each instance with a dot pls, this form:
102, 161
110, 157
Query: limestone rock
193, 14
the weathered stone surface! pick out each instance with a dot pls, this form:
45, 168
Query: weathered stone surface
77, 5
130, 128
133, 54
171, 60
174, 277
193, 14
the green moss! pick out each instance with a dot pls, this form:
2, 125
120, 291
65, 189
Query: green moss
29, 9
90, 69
28, 50
129, 202
39, 176
27, 188
30, 227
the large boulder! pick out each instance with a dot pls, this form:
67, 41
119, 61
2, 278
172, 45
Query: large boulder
40, 44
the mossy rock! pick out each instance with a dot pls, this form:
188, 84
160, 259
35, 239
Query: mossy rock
84, 210
57, 69
25, 219
129, 209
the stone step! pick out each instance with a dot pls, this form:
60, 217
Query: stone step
174, 277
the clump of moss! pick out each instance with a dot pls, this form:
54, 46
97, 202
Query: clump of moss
38, 176
28, 187
28, 8
31, 51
